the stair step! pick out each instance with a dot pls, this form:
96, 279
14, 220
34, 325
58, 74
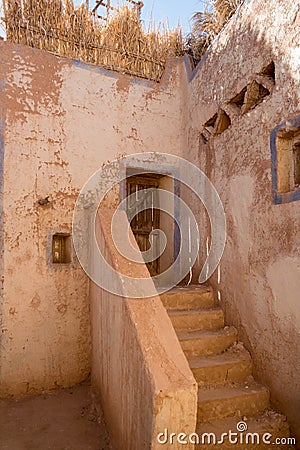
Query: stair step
187, 298
220, 369
200, 343
232, 401
197, 319
269, 422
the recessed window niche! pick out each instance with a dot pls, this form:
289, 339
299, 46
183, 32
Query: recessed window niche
61, 248
285, 150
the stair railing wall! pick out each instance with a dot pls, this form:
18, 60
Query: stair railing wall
139, 373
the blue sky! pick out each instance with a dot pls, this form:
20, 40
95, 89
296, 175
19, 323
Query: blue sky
173, 9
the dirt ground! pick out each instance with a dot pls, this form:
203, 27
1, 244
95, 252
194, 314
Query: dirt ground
59, 420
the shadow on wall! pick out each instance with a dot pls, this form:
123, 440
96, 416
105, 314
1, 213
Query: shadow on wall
248, 82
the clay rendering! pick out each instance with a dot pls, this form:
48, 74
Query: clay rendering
184, 357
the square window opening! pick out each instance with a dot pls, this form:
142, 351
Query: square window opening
61, 248
285, 152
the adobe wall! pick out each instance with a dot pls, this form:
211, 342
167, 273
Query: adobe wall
260, 269
61, 121
139, 371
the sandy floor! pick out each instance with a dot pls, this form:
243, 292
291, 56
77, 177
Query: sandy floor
60, 420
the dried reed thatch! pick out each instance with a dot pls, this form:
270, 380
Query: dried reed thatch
208, 24
119, 44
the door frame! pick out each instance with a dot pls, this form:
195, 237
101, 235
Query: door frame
163, 170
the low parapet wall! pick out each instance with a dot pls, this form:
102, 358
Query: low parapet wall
139, 371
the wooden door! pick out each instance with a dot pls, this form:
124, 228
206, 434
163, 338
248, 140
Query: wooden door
148, 220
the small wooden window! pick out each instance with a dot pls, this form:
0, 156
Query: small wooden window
296, 158
288, 158
285, 151
288, 163
61, 248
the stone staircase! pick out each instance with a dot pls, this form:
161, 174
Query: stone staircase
228, 396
